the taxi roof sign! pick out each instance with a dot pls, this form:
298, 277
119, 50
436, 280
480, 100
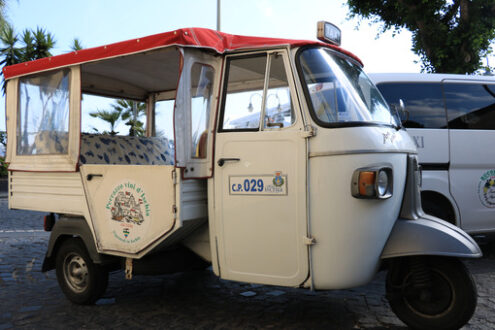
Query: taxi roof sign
329, 33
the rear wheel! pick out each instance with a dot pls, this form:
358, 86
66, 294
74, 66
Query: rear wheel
431, 292
82, 281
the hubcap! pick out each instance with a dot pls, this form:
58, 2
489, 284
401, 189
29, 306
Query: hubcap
76, 272
435, 301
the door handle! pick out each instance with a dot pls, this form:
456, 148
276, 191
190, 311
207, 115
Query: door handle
90, 177
222, 161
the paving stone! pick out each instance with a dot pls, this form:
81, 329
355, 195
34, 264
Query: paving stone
7, 325
275, 293
31, 299
105, 301
29, 309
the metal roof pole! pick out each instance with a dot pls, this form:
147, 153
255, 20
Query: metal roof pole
218, 15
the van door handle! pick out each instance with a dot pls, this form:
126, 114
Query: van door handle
222, 161
90, 177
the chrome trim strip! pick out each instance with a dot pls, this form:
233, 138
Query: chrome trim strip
364, 151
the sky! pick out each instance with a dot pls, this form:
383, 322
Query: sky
99, 22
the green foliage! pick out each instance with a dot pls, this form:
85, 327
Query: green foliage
9, 52
131, 111
3, 167
110, 117
126, 110
450, 36
35, 44
76, 45
3, 139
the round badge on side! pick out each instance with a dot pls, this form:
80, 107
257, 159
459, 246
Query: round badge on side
129, 212
486, 189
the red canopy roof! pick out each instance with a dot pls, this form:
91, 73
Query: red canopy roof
189, 37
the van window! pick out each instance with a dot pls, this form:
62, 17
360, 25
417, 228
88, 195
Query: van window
423, 103
43, 118
470, 106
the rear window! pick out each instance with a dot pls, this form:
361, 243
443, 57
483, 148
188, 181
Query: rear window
43, 114
423, 103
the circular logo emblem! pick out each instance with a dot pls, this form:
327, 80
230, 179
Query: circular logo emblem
129, 212
486, 189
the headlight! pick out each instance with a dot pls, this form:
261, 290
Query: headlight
382, 183
372, 182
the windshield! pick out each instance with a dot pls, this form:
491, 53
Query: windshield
339, 92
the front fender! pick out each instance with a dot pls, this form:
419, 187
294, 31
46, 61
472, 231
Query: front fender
429, 235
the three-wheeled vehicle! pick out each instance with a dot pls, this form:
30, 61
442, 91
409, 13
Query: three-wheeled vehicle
286, 168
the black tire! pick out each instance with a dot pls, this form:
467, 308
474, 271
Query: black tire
82, 281
448, 302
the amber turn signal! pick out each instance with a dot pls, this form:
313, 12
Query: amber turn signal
372, 182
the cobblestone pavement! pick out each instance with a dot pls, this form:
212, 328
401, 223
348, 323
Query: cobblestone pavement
199, 300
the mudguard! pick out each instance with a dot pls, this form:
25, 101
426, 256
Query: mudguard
69, 227
428, 235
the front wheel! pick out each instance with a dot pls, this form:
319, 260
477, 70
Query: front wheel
82, 281
431, 292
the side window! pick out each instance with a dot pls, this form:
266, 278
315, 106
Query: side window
43, 118
423, 103
201, 91
470, 106
110, 116
278, 111
244, 97
164, 119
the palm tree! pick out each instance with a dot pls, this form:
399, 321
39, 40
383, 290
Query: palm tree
3, 19
35, 44
131, 111
28, 51
111, 117
43, 43
76, 45
9, 52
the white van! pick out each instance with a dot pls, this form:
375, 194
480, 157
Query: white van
452, 121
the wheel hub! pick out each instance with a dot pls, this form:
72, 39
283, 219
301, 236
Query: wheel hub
433, 301
76, 272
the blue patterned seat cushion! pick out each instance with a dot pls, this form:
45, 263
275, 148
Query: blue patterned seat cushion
125, 150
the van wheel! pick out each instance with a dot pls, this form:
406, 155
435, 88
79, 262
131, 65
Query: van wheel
82, 281
431, 292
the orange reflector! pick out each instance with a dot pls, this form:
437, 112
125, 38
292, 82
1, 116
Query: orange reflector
367, 183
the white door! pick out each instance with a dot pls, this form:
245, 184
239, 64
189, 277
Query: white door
131, 206
471, 116
260, 175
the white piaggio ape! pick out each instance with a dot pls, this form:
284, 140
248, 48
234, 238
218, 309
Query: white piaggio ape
286, 168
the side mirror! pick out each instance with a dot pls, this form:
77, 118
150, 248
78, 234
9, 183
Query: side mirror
401, 112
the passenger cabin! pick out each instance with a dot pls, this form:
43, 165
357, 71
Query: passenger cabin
59, 165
